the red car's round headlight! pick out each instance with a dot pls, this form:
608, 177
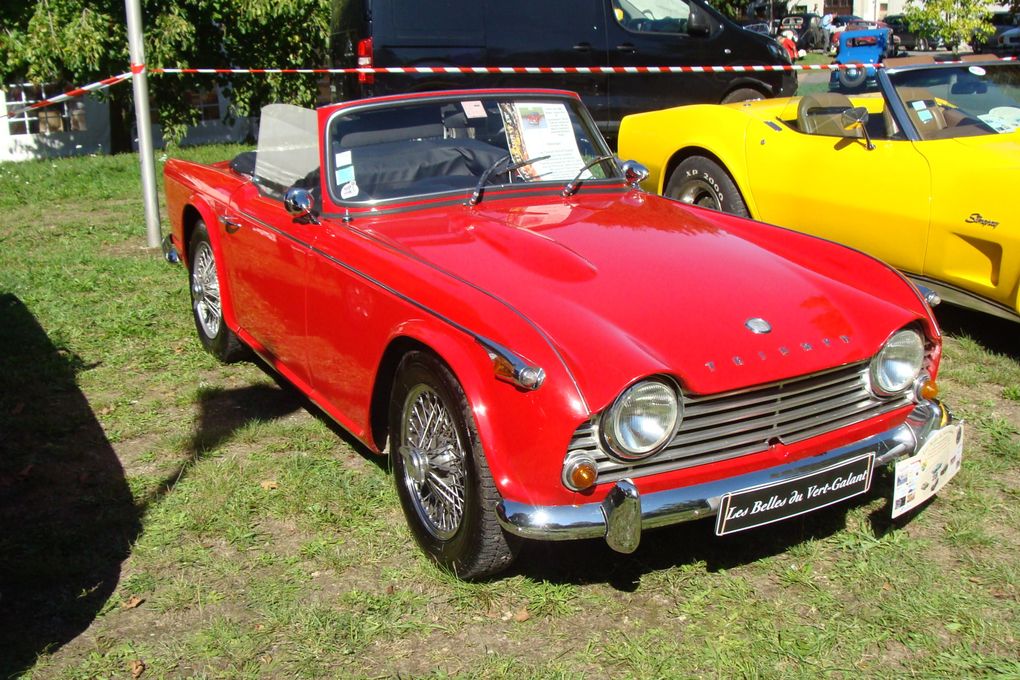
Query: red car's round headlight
897, 365
643, 419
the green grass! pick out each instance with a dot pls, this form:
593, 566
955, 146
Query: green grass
815, 58
133, 467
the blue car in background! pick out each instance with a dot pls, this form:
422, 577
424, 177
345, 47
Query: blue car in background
858, 47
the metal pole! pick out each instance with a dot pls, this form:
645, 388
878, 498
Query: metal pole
140, 84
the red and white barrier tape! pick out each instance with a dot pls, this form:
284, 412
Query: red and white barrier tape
517, 70
457, 70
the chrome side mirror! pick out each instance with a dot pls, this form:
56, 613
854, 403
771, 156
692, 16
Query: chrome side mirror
854, 117
857, 117
634, 173
298, 202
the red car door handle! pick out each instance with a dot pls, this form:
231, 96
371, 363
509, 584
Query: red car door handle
230, 224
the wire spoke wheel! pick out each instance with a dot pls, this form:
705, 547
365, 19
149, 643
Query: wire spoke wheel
205, 290
434, 462
441, 473
207, 300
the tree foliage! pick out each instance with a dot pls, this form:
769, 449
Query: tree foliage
731, 8
953, 21
80, 41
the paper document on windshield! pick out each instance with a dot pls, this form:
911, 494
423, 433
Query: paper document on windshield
541, 129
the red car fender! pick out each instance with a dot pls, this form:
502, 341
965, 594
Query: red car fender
522, 467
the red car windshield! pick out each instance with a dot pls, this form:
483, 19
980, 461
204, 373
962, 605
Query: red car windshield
392, 151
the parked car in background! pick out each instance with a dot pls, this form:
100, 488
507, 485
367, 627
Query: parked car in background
909, 39
840, 21
808, 29
858, 47
1008, 44
838, 25
469, 282
950, 131
892, 43
1001, 22
574, 33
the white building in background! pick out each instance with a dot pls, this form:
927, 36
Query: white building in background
76, 127
82, 126
872, 10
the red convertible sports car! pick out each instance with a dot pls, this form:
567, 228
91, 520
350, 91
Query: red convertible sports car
471, 283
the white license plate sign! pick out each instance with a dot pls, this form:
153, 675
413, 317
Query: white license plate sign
775, 501
920, 477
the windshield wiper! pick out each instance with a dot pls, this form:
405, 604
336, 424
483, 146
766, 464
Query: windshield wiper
575, 184
477, 195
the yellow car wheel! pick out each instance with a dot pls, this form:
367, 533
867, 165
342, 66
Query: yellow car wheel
701, 182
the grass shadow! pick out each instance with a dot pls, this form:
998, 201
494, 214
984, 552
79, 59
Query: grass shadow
313, 409
67, 517
223, 412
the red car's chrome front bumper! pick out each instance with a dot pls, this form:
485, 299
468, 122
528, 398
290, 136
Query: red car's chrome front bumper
624, 513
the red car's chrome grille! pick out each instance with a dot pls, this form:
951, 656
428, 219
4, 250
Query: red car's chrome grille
733, 424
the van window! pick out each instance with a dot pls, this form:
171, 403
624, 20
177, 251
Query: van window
652, 16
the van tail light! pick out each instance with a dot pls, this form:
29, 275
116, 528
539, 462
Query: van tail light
365, 61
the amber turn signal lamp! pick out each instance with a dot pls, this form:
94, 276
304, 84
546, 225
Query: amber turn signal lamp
582, 474
929, 390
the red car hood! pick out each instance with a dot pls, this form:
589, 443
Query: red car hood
629, 285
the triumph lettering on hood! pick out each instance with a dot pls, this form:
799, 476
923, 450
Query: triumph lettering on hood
780, 351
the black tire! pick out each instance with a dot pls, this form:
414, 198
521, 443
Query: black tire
742, 94
848, 81
701, 182
466, 539
206, 307
922, 45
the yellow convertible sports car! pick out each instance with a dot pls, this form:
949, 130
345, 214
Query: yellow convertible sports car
921, 173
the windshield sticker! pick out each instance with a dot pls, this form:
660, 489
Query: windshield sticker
344, 168
473, 109
349, 190
977, 70
344, 174
536, 130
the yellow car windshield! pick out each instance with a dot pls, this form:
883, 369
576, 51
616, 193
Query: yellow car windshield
961, 99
